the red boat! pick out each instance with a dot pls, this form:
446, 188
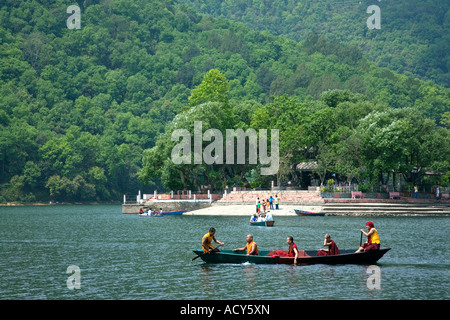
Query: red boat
309, 213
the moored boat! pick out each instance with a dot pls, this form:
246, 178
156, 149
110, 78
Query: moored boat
305, 257
309, 213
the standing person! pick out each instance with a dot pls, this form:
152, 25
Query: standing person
264, 205
257, 207
437, 193
292, 252
332, 247
207, 241
271, 203
416, 191
277, 201
373, 239
250, 246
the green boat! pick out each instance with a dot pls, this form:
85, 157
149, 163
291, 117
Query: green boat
230, 256
304, 258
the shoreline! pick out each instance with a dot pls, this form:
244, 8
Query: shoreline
21, 204
357, 208
334, 209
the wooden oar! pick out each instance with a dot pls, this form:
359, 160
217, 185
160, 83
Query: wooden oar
360, 241
205, 253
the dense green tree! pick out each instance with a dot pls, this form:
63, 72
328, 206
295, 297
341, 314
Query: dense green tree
87, 114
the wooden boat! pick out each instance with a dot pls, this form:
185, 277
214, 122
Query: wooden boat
153, 216
173, 213
309, 213
269, 223
164, 213
305, 258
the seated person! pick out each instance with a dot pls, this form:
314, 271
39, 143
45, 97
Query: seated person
250, 246
292, 252
254, 218
332, 247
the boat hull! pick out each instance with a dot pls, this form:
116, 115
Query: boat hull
262, 223
173, 213
309, 213
164, 213
305, 258
230, 256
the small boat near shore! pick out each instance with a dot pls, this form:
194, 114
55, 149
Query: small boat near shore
173, 213
164, 213
146, 214
265, 223
309, 213
304, 258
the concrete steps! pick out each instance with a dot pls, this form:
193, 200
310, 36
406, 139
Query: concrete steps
385, 209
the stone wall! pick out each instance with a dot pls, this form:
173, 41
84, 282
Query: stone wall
285, 196
167, 205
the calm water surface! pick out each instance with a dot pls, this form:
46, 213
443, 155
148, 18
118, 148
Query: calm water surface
131, 257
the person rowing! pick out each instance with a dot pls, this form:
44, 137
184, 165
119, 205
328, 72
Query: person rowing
207, 241
250, 246
373, 239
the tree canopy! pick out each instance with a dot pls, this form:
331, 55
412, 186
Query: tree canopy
86, 114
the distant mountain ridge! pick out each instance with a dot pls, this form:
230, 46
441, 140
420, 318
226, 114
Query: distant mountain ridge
414, 38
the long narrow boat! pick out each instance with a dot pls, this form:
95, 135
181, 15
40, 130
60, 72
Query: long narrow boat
149, 215
305, 258
164, 213
173, 213
269, 223
309, 213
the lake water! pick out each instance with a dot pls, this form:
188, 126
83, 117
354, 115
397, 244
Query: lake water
130, 257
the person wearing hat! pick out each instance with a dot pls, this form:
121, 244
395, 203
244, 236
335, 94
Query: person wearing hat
373, 239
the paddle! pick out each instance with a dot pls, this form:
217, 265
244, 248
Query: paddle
205, 253
360, 241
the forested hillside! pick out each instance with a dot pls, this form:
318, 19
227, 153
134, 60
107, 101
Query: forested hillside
414, 38
79, 107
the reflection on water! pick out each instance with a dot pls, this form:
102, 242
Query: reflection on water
130, 257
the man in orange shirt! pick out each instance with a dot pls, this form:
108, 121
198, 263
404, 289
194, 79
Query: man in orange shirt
251, 247
207, 241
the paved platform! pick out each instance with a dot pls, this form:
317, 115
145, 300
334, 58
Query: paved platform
330, 209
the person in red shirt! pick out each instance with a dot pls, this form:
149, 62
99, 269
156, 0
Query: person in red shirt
292, 252
332, 247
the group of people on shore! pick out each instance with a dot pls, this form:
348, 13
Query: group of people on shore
264, 204
372, 243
